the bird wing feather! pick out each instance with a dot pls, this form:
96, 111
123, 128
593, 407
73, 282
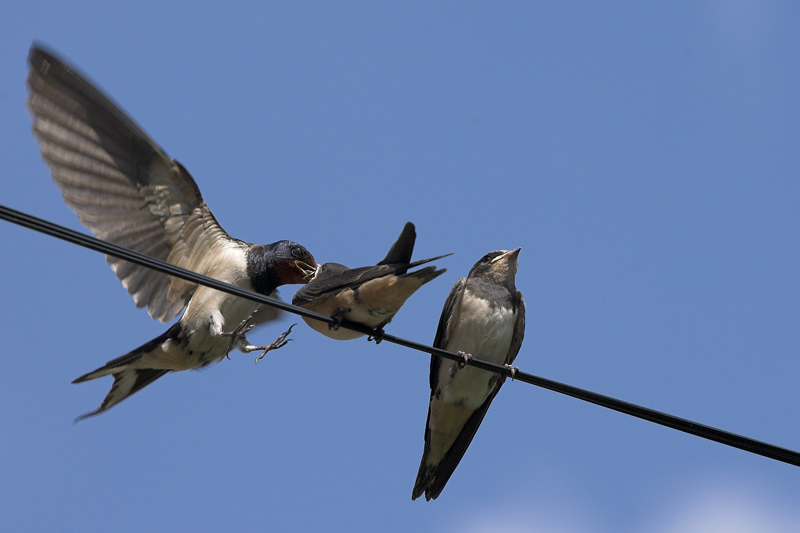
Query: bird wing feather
403, 248
519, 329
446, 321
122, 185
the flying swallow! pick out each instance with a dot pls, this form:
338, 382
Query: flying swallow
484, 316
369, 295
128, 191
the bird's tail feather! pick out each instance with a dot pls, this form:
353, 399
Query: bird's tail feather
419, 262
431, 479
115, 366
126, 382
427, 473
127, 378
425, 274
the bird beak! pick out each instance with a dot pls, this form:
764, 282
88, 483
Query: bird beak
507, 256
308, 271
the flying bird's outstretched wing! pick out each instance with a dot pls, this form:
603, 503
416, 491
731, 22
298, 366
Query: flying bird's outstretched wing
122, 185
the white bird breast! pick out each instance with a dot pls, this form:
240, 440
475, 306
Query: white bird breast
212, 308
484, 332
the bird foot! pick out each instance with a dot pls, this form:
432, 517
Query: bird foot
280, 342
337, 317
466, 358
513, 370
235, 335
377, 336
239, 330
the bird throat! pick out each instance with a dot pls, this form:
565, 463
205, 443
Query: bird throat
261, 270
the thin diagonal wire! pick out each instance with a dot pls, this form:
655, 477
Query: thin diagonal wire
681, 424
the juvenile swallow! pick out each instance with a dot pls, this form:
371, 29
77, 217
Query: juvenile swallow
128, 191
369, 295
484, 317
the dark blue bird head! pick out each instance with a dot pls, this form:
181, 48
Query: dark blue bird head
284, 262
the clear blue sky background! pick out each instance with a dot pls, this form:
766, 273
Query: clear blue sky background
645, 158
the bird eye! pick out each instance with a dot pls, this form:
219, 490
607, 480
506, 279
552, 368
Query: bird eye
297, 252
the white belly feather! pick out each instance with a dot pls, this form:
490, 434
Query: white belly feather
210, 309
486, 334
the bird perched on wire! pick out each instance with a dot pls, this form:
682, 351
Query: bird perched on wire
369, 295
484, 316
128, 191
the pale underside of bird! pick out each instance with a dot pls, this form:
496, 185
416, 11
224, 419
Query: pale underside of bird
128, 191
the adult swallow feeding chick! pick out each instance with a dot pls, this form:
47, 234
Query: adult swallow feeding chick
128, 191
369, 295
484, 316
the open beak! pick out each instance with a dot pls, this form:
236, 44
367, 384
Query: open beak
507, 256
308, 271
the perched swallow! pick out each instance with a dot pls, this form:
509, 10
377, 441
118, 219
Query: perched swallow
128, 191
369, 295
484, 316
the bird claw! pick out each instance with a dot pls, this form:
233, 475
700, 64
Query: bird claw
512, 369
337, 317
238, 332
377, 336
466, 358
278, 343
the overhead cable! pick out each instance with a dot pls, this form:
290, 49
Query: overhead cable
681, 424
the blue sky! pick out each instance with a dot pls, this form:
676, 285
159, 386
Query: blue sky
644, 157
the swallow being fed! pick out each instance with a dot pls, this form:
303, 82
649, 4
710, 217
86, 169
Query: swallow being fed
369, 295
128, 191
484, 317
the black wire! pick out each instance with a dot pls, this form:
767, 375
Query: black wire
681, 424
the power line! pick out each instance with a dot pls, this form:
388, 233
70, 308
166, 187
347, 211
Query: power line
681, 424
